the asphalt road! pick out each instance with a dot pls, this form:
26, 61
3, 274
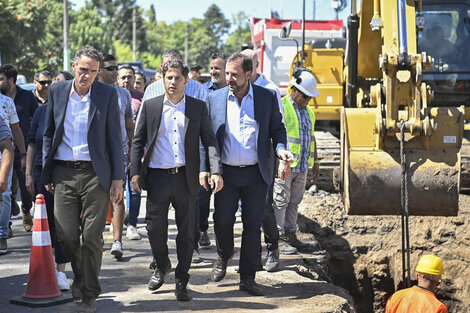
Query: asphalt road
124, 282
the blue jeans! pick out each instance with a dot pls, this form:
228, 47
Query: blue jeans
133, 204
5, 209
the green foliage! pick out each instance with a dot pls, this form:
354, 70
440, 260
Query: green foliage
240, 36
22, 26
31, 35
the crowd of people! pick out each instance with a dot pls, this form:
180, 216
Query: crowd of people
84, 138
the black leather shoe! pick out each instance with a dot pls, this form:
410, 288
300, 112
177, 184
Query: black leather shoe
220, 269
157, 279
182, 292
272, 261
153, 265
249, 285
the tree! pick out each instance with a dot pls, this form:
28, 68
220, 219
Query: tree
22, 26
216, 23
87, 29
240, 36
51, 42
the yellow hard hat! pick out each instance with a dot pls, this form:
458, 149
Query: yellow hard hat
430, 264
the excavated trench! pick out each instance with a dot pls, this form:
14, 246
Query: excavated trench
365, 251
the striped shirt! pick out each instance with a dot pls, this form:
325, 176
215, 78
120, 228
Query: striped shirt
305, 132
192, 89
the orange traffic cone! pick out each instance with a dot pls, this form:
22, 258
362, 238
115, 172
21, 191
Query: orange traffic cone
42, 288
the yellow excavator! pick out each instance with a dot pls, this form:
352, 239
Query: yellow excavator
398, 91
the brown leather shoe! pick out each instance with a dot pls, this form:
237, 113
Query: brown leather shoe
10, 232
27, 221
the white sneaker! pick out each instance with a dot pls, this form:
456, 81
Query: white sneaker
131, 233
62, 281
116, 249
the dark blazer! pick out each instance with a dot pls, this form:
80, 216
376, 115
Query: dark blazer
104, 131
271, 133
196, 126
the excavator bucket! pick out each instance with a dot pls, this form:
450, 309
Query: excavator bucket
371, 165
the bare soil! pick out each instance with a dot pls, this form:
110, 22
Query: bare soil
365, 251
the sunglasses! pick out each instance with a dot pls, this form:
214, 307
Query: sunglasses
44, 82
110, 68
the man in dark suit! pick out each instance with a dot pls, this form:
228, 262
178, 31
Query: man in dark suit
247, 124
83, 166
171, 125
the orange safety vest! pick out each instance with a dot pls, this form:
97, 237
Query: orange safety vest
414, 300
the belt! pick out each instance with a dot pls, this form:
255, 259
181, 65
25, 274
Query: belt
170, 171
74, 164
240, 166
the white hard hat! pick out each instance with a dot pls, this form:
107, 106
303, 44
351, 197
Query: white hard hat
304, 81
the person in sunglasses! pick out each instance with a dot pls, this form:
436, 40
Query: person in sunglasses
300, 122
108, 74
42, 81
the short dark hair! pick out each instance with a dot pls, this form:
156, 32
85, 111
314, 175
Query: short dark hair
176, 64
195, 68
219, 55
9, 71
171, 53
108, 57
43, 72
143, 76
247, 63
67, 75
90, 52
127, 67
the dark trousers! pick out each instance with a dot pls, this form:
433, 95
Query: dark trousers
26, 200
49, 199
202, 214
271, 233
162, 189
248, 185
78, 191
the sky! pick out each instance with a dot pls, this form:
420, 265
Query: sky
173, 10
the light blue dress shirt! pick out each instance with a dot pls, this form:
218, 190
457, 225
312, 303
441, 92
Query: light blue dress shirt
241, 131
192, 89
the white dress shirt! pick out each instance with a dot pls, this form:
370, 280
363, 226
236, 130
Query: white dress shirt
74, 145
169, 145
241, 131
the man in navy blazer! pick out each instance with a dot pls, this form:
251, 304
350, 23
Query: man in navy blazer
83, 166
248, 125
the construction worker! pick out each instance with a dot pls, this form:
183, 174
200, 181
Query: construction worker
288, 193
420, 298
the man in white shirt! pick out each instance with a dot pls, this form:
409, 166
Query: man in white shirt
9, 116
6, 155
172, 125
83, 166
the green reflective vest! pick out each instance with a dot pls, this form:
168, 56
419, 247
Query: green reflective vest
293, 133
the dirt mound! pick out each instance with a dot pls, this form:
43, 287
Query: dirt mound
365, 251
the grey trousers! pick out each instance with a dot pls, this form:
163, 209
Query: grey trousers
78, 191
287, 196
